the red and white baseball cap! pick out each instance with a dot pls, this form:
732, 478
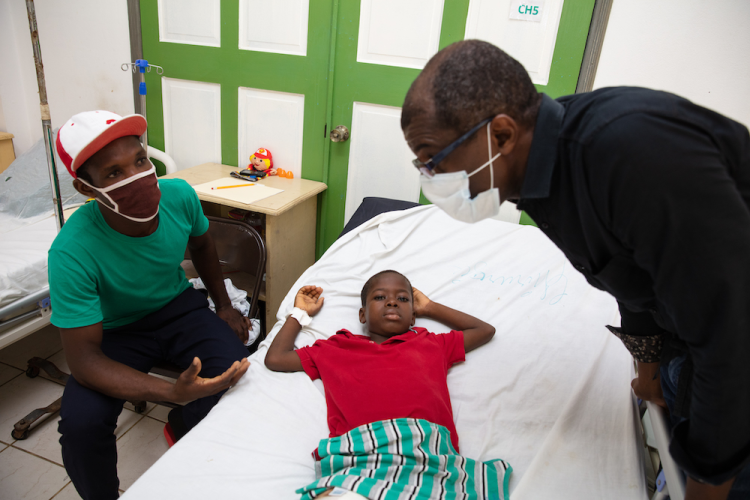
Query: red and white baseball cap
88, 132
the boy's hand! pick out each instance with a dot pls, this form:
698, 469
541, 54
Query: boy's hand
309, 300
421, 302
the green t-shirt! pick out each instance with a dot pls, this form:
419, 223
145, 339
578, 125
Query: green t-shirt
97, 274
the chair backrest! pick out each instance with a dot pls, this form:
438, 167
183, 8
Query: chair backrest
242, 255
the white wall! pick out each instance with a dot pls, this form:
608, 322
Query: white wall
694, 48
2, 117
17, 80
83, 43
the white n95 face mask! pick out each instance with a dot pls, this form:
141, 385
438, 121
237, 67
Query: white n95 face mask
451, 192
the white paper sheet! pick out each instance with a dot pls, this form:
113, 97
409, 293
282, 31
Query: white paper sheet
550, 393
249, 193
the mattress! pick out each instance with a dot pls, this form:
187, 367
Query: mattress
23, 258
550, 393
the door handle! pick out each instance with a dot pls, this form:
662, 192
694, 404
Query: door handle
340, 134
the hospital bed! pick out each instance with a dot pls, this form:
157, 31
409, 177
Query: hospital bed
24, 294
27, 229
550, 393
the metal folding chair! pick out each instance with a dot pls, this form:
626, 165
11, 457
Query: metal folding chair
242, 256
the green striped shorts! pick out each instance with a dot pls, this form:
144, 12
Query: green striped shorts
402, 459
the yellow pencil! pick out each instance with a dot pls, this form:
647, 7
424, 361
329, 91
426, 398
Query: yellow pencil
235, 186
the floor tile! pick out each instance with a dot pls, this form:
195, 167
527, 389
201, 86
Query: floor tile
21, 396
8, 372
58, 359
138, 449
160, 413
43, 343
126, 422
24, 476
68, 493
44, 440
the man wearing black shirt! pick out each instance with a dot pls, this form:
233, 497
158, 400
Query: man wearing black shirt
647, 195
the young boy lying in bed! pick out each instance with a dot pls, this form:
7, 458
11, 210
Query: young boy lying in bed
389, 411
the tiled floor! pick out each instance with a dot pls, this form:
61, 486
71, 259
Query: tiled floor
32, 469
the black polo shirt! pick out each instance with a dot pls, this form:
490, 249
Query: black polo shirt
647, 195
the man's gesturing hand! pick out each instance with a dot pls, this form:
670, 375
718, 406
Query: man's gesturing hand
190, 386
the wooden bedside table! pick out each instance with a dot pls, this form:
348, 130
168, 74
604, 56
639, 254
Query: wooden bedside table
290, 226
7, 154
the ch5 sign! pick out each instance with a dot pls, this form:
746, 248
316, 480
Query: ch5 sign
527, 10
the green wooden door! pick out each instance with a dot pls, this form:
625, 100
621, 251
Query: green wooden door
334, 84
382, 84
362, 82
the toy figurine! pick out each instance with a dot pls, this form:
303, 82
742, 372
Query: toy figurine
262, 161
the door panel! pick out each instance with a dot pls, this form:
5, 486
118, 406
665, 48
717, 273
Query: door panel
274, 120
399, 33
531, 42
279, 26
194, 22
192, 121
377, 156
551, 50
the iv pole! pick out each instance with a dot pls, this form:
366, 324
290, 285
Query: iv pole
46, 119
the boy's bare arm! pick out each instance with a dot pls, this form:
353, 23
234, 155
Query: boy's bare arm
281, 356
476, 331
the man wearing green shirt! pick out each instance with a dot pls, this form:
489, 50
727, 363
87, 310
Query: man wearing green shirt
122, 302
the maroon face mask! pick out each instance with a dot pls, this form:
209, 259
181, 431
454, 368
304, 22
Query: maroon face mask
135, 198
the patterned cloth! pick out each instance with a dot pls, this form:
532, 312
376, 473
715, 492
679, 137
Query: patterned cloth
401, 459
644, 349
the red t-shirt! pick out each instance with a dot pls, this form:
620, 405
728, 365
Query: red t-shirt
405, 376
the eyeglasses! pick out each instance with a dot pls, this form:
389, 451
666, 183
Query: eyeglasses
428, 167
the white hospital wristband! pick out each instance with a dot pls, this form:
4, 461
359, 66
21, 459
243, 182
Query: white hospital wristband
301, 316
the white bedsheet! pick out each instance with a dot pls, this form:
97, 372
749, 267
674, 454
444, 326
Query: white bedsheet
550, 393
23, 258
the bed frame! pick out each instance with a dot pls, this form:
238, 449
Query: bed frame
24, 317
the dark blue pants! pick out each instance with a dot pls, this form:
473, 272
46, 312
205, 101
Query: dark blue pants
181, 330
670, 376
